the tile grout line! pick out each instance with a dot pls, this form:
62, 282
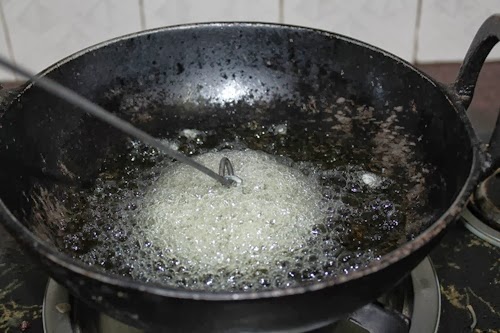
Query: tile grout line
281, 11
142, 15
10, 49
416, 33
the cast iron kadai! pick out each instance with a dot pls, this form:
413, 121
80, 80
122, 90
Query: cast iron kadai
210, 75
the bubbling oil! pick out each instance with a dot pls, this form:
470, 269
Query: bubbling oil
155, 220
248, 228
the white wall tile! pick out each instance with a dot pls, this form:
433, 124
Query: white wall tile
45, 31
169, 12
447, 28
387, 24
5, 75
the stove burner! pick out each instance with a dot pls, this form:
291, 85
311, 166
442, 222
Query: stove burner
482, 215
475, 224
487, 200
412, 307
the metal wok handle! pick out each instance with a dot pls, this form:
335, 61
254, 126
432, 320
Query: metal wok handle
486, 38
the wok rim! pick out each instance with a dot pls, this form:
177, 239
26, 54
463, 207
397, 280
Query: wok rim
43, 248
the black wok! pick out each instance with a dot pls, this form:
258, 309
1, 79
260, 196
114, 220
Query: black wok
211, 75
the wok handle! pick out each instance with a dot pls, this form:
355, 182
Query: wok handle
486, 38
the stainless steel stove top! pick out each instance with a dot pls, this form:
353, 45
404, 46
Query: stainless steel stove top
412, 307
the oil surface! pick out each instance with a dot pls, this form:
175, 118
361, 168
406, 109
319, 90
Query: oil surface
363, 192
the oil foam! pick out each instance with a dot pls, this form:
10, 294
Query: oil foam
268, 218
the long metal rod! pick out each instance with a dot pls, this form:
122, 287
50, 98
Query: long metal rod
106, 116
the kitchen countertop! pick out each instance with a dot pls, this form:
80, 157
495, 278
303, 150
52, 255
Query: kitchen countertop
467, 267
468, 271
22, 286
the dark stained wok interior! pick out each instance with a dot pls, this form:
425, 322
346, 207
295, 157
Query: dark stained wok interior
361, 112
